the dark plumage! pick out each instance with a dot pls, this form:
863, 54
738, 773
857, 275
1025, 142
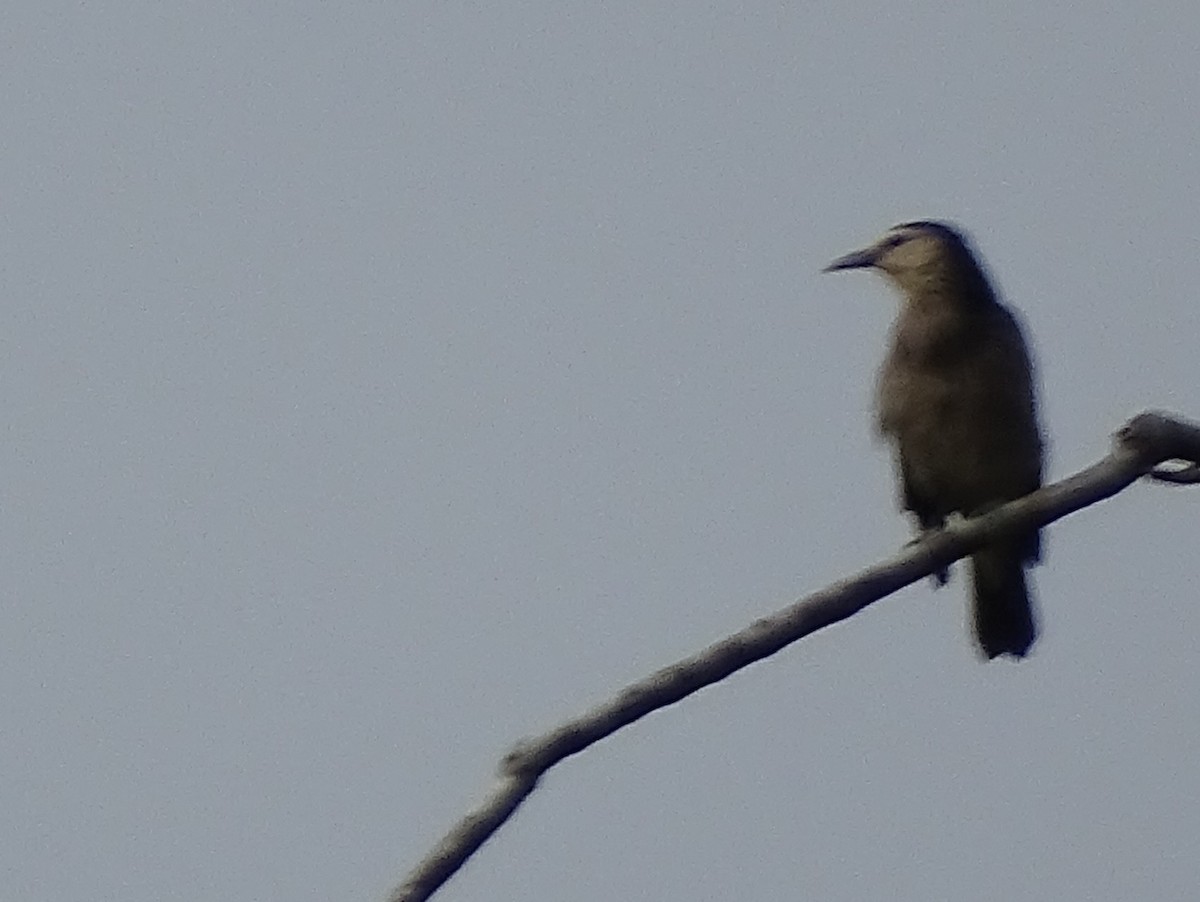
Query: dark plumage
955, 396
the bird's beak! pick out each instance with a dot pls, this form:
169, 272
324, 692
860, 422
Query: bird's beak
856, 260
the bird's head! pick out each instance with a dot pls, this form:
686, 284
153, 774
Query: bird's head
916, 254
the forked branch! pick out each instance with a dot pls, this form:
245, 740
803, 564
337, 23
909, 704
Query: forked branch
1142, 447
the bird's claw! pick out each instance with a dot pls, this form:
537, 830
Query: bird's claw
937, 577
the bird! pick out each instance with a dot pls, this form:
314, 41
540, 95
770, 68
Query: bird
955, 397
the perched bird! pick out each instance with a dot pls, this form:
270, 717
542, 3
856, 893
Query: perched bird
955, 396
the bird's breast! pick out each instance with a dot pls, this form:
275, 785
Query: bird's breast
963, 428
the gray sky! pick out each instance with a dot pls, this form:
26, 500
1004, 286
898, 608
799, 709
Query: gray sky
384, 382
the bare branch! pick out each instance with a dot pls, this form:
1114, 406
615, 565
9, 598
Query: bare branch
1185, 475
1178, 439
1145, 442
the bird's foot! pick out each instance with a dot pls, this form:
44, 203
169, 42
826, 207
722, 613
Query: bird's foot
938, 577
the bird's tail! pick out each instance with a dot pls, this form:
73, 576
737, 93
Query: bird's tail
1003, 612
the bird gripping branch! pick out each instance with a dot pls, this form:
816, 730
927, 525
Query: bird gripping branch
955, 397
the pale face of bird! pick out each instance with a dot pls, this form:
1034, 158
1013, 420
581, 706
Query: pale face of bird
911, 254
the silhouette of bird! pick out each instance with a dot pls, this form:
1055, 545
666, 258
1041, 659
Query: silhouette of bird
955, 397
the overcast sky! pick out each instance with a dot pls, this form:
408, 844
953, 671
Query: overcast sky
385, 381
